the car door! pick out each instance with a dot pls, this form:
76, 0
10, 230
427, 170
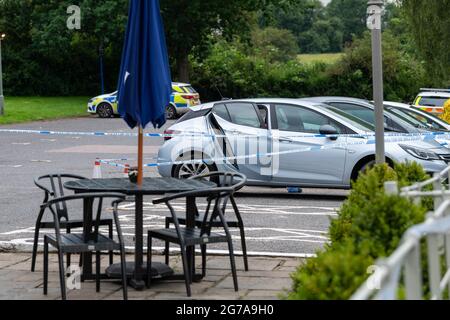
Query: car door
300, 160
246, 137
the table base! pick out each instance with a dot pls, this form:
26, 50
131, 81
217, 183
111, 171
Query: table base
159, 270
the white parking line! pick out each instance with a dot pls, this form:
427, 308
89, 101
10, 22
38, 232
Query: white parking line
250, 209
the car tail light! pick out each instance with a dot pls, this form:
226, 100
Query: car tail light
169, 134
189, 96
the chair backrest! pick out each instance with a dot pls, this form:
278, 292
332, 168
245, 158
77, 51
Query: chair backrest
233, 180
54, 204
53, 186
215, 199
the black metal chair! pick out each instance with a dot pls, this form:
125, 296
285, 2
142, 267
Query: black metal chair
191, 237
70, 243
223, 179
53, 187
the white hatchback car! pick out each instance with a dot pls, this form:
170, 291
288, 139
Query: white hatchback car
283, 143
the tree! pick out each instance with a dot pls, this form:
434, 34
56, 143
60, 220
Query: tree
352, 13
324, 36
190, 24
44, 57
275, 45
429, 22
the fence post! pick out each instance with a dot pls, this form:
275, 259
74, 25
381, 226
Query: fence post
437, 186
413, 274
391, 188
434, 266
447, 256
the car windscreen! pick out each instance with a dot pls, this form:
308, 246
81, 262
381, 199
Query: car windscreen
188, 89
406, 117
417, 119
367, 114
433, 101
193, 115
352, 120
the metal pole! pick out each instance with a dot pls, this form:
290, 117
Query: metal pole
2, 99
102, 78
374, 11
141, 156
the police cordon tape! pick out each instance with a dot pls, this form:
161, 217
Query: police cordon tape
394, 139
192, 134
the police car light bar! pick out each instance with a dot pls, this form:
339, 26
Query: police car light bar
434, 90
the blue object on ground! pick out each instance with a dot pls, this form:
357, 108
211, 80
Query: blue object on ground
294, 190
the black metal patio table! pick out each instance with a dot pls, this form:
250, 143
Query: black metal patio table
150, 186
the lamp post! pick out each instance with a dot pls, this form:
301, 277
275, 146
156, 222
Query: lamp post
374, 11
2, 99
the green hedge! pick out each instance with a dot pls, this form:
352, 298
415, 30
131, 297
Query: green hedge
239, 74
370, 225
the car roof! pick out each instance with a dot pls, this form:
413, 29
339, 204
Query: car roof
435, 94
305, 103
335, 98
316, 105
180, 84
397, 104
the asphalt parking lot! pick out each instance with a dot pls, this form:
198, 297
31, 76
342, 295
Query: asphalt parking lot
277, 222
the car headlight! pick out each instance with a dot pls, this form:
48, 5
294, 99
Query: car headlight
420, 153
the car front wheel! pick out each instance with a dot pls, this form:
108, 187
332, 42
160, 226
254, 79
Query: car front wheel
104, 110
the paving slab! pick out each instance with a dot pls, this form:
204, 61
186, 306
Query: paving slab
267, 279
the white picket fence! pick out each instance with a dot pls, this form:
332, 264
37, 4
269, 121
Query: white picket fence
403, 269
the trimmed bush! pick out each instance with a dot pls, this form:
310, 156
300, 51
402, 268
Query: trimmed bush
333, 275
370, 225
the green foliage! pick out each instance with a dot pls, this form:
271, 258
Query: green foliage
370, 225
189, 25
240, 71
403, 74
43, 57
352, 14
333, 275
429, 22
314, 29
274, 45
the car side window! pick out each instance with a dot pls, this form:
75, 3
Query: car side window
244, 114
264, 111
298, 119
221, 111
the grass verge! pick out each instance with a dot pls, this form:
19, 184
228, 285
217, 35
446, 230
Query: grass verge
328, 58
26, 109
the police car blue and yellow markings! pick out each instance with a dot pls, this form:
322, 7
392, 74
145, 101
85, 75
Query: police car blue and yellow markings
183, 97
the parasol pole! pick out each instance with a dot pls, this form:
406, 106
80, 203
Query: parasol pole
141, 156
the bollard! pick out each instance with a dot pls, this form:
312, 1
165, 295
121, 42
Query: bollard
126, 171
97, 173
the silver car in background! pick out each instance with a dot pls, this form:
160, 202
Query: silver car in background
399, 118
426, 119
283, 143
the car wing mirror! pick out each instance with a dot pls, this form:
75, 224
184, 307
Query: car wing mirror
329, 130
